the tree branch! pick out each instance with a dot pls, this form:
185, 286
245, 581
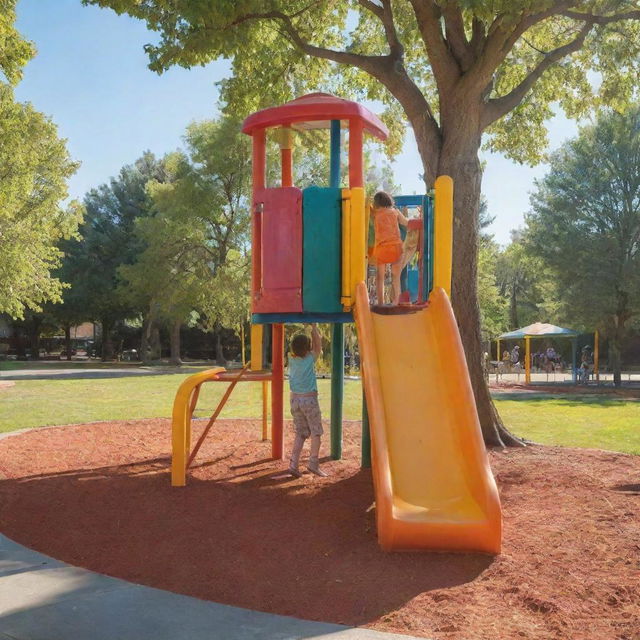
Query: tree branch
596, 19
456, 37
385, 14
498, 107
367, 63
443, 64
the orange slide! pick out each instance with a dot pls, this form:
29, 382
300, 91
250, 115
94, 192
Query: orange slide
433, 484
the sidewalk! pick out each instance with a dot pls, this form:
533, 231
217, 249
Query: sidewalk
44, 599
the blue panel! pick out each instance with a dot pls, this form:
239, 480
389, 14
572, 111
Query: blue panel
288, 318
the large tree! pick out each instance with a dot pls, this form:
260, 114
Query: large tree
585, 223
454, 68
34, 168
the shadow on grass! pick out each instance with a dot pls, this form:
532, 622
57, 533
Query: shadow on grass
301, 547
568, 400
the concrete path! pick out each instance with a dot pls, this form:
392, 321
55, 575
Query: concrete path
45, 599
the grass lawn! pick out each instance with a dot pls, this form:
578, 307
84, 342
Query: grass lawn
598, 421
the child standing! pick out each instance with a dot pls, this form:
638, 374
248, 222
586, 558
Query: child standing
305, 409
388, 243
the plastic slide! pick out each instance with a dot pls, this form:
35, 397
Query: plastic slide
433, 484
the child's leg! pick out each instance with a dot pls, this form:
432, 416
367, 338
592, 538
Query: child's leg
396, 271
380, 273
302, 433
314, 420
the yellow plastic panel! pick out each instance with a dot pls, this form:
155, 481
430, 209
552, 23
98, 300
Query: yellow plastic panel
354, 243
434, 486
256, 347
443, 233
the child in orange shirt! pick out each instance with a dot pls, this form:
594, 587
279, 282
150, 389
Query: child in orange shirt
388, 243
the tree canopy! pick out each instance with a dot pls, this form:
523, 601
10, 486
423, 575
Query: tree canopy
455, 69
34, 168
585, 223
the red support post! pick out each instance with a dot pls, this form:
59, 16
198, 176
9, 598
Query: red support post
277, 392
356, 169
259, 179
287, 167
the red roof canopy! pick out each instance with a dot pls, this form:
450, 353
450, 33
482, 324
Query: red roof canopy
315, 111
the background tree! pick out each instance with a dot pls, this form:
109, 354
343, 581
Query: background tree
455, 69
107, 241
34, 168
200, 219
585, 222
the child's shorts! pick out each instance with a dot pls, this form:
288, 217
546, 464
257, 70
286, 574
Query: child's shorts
387, 253
307, 418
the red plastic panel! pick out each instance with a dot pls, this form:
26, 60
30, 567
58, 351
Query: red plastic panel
281, 243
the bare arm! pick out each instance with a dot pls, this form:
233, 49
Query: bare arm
402, 219
316, 342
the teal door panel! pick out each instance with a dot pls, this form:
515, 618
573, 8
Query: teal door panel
322, 249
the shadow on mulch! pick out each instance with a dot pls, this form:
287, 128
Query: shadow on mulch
244, 533
253, 538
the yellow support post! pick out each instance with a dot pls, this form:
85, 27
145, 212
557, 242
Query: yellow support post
183, 407
527, 360
443, 236
265, 404
345, 297
256, 347
596, 355
354, 243
358, 240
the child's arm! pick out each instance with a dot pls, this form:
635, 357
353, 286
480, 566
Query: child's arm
402, 219
316, 342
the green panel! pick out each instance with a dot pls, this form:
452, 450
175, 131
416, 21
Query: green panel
322, 250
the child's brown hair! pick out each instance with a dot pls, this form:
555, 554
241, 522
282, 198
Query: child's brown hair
300, 345
382, 200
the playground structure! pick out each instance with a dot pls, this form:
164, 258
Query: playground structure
434, 488
544, 330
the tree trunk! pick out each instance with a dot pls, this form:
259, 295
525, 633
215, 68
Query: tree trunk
513, 307
175, 344
107, 342
220, 359
67, 341
34, 338
460, 162
156, 346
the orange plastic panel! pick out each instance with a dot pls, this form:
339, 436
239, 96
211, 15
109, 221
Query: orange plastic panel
434, 487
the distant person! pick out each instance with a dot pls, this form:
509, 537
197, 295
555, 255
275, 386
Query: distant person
305, 409
388, 247
515, 355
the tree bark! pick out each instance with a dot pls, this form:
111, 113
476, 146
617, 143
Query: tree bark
220, 359
67, 341
513, 307
459, 160
175, 344
34, 338
154, 339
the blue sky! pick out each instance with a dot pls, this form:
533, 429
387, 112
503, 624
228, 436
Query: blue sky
91, 77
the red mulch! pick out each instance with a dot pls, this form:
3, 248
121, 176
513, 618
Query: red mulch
98, 496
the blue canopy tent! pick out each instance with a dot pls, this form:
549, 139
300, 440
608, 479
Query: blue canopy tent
544, 330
